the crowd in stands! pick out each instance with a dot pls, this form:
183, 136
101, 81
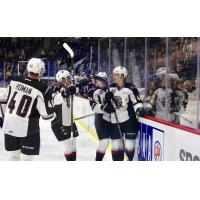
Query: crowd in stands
13, 50
16, 49
182, 51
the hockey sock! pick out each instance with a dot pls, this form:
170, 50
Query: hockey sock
14, 155
71, 156
99, 155
130, 148
25, 157
130, 154
118, 155
103, 145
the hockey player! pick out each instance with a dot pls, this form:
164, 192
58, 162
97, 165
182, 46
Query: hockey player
117, 101
61, 125
96, 97
175, 99
27, 99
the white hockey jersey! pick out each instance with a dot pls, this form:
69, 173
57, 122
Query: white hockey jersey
62, 109
25, 104
175, 99
98, 99
122, 98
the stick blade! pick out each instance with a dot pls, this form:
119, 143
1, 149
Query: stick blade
68, 49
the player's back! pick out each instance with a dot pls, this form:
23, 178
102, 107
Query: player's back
24, 105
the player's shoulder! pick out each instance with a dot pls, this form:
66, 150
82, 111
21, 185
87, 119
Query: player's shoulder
97, 90
36, 84
159, 91
17, 78
130, 86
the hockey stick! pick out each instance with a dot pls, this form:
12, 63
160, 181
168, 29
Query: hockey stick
117, 119
71, 53
115, 114
186, 119
2, 113
118, 126
85, 116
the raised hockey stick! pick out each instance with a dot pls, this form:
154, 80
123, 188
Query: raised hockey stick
71, 53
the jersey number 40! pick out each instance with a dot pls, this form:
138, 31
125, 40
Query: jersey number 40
23, 107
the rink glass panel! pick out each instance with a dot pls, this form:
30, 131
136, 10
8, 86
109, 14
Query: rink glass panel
134, 56
117, 53
182, 60
103, 55
155, 59
144, 56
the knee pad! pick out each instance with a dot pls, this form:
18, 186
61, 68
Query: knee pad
14, 155
103, 145
117, 144
67, 144
129, 144
25, 157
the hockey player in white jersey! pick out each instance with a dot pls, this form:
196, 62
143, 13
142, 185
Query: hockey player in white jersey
173, 97
61, 125
96, 102
124, 99
117, 99
27, 99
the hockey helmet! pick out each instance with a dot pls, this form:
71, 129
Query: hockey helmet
121, 71
36, 66
102, 75
62, 74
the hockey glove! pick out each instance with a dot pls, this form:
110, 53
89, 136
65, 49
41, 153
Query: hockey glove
109, 96
90, 93
83, 82
150, 112
65, 93
108, 108
72, 89
174, 108
140, 112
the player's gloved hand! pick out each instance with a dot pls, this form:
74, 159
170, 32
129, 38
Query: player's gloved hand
109, 96
83, 82
56, 88
90, 93
108, 108
174, 108
1, 122
72, 89
65, 93
150, 112
140, 112
48, 94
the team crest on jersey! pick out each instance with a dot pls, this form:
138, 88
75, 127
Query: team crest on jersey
118, 101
